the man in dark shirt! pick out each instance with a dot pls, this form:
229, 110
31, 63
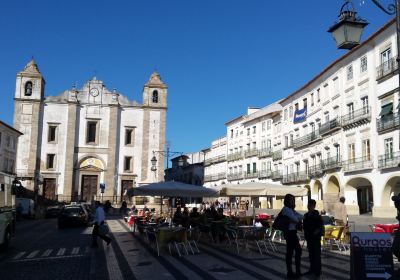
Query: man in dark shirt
313, 230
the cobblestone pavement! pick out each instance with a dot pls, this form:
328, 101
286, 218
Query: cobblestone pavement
41, 251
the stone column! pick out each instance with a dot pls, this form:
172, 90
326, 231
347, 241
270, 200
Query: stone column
70, 189
113, 151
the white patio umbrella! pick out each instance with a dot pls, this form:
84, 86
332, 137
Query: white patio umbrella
173, 189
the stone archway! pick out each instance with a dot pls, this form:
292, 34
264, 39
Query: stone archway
392, 187
318, 195
331, 195
359, 196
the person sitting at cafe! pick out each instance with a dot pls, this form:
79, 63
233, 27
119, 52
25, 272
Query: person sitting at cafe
194, 213
214, 213
177, 216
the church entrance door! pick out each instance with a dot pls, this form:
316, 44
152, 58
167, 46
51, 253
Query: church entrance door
49, 188
89, 187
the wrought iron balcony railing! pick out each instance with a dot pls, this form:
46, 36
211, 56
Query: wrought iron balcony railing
356, 164
235, 156
296, 177
357, 117
208, 162
386, 68
251, 175
306, 139
276, 175
250, 153
388, 122
330, 126
265, 152
264, 174
389, 160
215, 177
315, 170
235, 176
220, 158
331, 163
277, 155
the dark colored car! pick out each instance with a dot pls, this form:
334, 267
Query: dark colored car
53, 211
73, 215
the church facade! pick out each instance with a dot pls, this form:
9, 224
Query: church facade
87, 141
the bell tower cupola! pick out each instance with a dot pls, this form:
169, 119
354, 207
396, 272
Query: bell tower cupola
155, 92
30, 83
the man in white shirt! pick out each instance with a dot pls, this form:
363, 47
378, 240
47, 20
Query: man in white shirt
340, 212
99, 221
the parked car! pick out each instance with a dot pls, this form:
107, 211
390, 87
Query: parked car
73, 215
53, 211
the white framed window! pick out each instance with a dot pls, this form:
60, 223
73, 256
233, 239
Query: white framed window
291, 112
349, 72
269, 122
351, 151
366, 149
248, 131
336, 86
285, 115
365, 104
389, 147
312, 99
386, 55
50, 161
254, 129
363, 64
263, 126
318, 96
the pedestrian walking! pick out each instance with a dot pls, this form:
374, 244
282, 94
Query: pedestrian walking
98, 222
290, 235
313, 230
340, 212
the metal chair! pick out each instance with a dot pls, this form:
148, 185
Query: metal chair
192, 236
232, 238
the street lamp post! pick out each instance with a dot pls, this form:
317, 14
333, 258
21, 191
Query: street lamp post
347, 31
166, 153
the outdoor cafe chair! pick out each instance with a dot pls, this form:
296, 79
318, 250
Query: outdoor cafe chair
334, 237
268, 239
205, 229
258, 236
232, 238
151, 234
192, 236
180, 240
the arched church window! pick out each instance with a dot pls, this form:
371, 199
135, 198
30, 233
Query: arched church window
155, 96
28, 88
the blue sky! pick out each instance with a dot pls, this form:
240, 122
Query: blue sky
217, 56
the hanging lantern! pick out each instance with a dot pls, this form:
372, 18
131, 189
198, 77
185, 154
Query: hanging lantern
348, 30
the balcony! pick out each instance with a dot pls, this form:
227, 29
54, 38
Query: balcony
235, 176
265, 153
276, 175
389, 160
315, 171
250, 153
235, 156
331, 163
277, 155
219, 159
386, 68
297, 177
251, 175
388, 122
262, 174
356, 118
357, 164
306, 139
330, 126
208, 162
215, 177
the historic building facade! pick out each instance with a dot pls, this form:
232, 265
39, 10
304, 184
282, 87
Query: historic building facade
338, 135
8, 154
84, 140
